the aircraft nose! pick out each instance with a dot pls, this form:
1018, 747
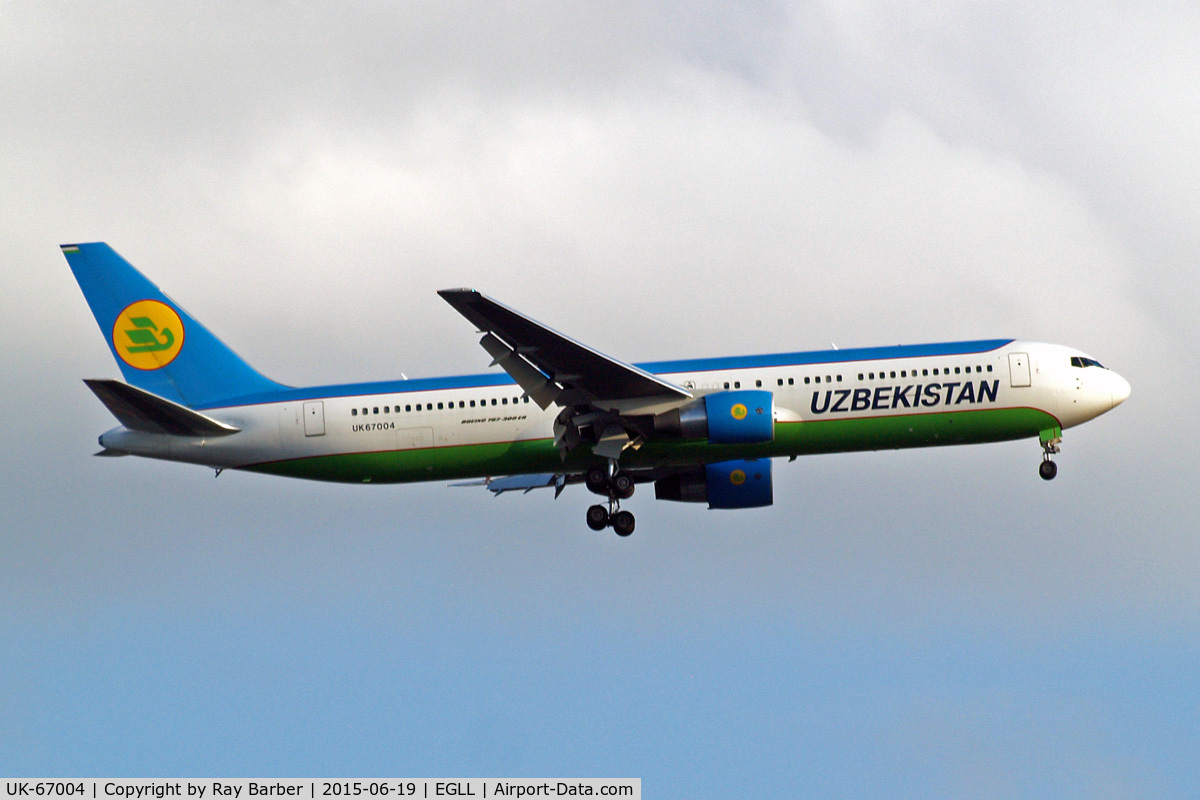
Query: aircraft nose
1120, 390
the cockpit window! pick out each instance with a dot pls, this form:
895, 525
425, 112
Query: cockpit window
1080, 361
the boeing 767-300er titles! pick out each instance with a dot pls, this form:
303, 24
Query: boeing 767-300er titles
701, 430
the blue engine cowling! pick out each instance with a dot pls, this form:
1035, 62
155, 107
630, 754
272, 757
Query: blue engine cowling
743, 483
740, 417
743, 416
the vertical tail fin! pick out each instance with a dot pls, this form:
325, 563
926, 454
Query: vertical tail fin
158, 346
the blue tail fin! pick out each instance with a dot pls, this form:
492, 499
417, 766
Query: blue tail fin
158, 346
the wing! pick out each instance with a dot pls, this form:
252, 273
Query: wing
555, 369
524, 483
527, 483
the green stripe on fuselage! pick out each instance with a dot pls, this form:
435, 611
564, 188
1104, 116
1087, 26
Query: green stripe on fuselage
792, 438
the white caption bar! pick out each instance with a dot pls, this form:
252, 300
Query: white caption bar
244, 788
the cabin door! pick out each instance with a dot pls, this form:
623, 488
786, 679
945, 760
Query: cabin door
1018, 369
314, 418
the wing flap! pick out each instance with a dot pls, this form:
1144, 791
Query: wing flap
543, 390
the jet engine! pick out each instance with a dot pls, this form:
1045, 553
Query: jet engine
744, 416
743, 483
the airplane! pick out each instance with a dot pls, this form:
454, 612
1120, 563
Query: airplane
562, 413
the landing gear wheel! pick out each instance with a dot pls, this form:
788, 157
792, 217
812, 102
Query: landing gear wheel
596, 480
1048, 469
623, 485
597, 517
623, 523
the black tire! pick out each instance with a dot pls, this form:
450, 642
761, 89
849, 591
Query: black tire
623, 523
597, 517
623, 485
1048, 469
596, 480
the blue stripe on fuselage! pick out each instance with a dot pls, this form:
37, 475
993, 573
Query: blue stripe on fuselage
655, 367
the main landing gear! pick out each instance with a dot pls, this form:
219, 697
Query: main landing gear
617, 486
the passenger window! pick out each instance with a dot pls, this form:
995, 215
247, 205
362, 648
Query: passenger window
924, 372
903, 374
807, 379
780, 382
472, 404
726, 384
408, 408
791, 381
956, 370
860, 376
737, 384
872, 376
504, 400
893, 373
818, 379
493, 401
354, 412
839, 378
989, 367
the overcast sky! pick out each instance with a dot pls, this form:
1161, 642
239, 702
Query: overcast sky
659, 180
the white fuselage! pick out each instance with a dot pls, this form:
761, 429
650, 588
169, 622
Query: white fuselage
378, 418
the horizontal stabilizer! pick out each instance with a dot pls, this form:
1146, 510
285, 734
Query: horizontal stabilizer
140, 410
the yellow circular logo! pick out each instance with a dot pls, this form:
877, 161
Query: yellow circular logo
737, 477
148, 334
738, 411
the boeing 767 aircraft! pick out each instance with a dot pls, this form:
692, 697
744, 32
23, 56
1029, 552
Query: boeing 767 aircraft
700, 430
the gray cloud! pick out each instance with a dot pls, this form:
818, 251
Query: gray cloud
656, 182
664, 180
661, 180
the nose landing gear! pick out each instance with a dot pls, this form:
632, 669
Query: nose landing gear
1047, 469
1050, 441
617, 486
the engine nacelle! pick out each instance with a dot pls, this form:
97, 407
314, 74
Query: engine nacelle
744, 483
744, 416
